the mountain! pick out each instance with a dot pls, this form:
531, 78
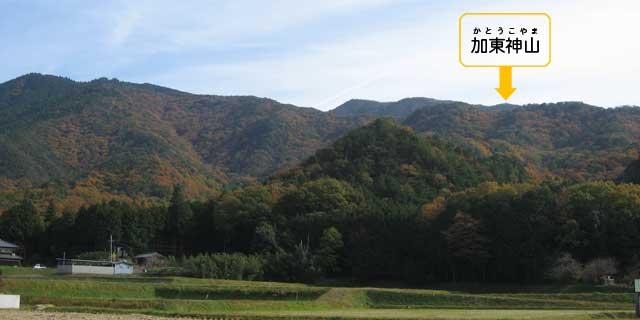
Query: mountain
82, 142
397, 109
402, 108
572, 140
392, 161
91, 141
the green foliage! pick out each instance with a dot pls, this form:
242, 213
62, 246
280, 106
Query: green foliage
224, 266
22, 223
322, 195
329, 250
631, 173
240, 293
297, 265
265, 239
180, 219
393, 163
565, 269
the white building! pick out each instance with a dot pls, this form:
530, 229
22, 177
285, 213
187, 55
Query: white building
75, 266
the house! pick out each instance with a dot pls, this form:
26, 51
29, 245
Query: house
8, 254
148, 259
76, 266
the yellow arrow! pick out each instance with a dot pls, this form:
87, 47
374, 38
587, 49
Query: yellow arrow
506, 88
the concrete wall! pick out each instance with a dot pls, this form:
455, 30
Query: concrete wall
9, 301
77, 269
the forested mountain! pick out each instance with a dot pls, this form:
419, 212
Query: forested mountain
398, 109
571, 140
82, 142
85, 142
393, 162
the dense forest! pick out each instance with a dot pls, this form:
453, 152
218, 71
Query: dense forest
382, 203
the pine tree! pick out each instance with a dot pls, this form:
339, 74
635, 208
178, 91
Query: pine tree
179, 220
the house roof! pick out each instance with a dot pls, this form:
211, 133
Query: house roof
5, 244
148, 255
5, 257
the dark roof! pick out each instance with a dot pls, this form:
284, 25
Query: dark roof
9, 257
5, 244
148, 255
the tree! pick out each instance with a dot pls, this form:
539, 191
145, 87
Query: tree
264, 240
61, 233
50, 214
179, 220
22, 224
329, 250
565, 268
466, 246
302, 263
596, 268
323, 195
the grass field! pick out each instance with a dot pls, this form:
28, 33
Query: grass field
201, 298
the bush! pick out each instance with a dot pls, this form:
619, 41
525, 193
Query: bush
565, 269
299, 265
595, 269
235, 266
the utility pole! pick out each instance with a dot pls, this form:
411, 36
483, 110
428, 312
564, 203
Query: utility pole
111, 248
636, 283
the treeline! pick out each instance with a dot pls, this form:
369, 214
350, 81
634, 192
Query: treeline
328, 228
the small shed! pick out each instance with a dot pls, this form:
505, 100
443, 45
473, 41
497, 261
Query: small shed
8, 254
150, 259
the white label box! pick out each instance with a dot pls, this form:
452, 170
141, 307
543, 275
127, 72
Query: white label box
504, 39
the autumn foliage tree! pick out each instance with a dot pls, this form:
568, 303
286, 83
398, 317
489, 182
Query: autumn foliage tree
466, 245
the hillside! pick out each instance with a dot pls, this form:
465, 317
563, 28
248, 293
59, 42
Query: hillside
391, 161
397, 109
402, 108
84, 142
572, 140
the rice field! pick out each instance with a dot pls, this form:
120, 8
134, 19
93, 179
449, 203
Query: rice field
66, 296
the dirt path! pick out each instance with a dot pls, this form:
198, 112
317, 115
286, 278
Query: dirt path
35, 315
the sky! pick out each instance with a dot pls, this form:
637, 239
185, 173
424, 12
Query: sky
320, 53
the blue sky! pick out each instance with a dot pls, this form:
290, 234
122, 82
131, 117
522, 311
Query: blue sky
319, 53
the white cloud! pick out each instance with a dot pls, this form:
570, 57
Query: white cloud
162, 25
593, 61
322, 53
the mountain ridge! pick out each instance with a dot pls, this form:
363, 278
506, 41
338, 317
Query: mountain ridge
92, 141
